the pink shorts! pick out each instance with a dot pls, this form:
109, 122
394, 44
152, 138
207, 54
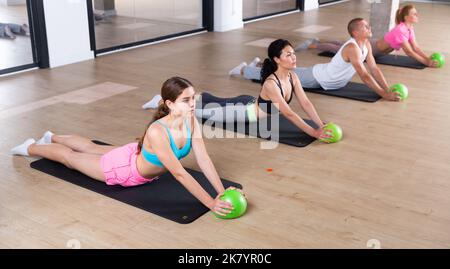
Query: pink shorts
119, 167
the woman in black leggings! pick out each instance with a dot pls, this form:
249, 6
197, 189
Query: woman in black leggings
279, 85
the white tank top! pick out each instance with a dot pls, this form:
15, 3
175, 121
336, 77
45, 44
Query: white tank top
337, 73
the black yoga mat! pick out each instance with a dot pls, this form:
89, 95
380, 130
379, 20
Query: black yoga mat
165, 197
327, 54
285, 133
354, 91
389, 59
399, 60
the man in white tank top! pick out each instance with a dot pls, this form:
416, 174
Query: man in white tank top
337, 73
350, 60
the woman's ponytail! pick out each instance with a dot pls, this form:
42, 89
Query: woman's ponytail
273, 51
170, 90
268, 68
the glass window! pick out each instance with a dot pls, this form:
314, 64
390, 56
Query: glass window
119, 22
257, 8
15, 42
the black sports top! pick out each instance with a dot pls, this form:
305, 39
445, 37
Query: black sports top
268, 107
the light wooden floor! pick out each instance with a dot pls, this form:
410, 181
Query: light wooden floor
388, 180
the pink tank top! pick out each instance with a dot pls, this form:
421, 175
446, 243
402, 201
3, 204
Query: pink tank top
398, 35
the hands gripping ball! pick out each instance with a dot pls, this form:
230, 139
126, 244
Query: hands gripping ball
401, 89
334, 130
439, 58
237, 200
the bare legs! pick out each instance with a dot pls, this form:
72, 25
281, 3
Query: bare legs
81, 144
75, 152
88, 164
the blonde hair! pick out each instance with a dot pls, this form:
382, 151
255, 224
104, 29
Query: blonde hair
402, 13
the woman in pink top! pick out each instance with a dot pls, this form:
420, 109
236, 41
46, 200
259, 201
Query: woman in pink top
400, 37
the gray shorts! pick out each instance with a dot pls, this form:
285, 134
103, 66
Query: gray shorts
306, 76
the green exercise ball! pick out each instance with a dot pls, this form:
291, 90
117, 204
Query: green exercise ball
401, 89
237, 200
438, 57
336, 133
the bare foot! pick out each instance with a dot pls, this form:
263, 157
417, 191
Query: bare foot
313, 46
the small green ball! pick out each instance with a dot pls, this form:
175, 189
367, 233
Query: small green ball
401, 89
336, 133
237, 200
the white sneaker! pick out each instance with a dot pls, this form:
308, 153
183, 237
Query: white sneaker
154, 103
255, 61
237, 70
46, 139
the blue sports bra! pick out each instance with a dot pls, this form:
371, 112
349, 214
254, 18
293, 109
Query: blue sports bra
179, 153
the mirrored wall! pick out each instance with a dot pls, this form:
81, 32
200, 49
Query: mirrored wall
121, 22
16, 49
260, 8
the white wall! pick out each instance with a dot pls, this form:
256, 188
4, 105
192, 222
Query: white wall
227, 15
67, 31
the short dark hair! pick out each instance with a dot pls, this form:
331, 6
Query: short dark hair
353, 24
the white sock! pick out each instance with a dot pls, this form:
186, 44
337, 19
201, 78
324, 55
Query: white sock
45, 139
255, 62
237, 70
154, 103
22, 149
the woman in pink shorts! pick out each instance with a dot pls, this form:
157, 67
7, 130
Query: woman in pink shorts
400, 37
167, 139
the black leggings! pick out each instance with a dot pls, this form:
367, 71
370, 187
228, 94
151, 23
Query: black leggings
219, 109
